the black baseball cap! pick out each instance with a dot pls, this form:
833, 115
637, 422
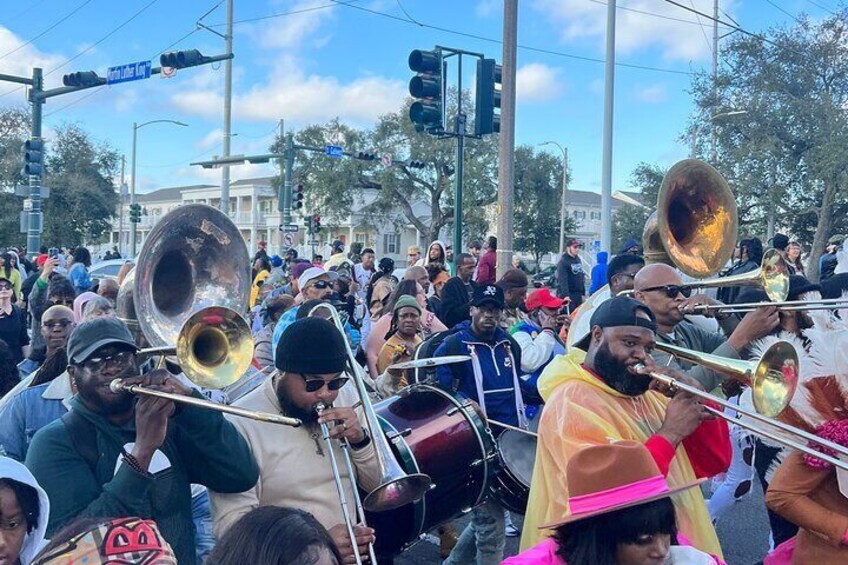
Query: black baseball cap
488, 294
90, 336
616, 312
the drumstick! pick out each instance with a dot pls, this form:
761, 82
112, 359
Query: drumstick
513, 428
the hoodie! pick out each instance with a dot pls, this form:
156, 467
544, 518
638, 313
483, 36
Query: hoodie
33, 541
599, 272
425, 260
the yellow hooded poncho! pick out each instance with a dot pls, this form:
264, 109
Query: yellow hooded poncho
581, 410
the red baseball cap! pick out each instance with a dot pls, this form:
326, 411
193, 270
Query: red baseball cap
41, 259
542, 297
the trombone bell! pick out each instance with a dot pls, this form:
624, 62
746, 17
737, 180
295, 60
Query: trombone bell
773, 378
215, 347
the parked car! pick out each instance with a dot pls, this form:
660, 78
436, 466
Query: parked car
107, 269
545, 277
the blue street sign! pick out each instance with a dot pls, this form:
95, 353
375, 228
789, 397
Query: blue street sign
335, 151
129, 72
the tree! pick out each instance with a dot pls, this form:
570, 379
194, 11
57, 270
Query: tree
80, 173
787, 156
14, 129
424, 196
629, 220
538, 189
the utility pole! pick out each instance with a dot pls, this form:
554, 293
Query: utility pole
606, 166
133, 225
121, 190
228, 101
562, 210
35, 217
506, 146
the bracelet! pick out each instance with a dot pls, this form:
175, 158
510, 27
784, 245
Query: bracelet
362, 444
133, 463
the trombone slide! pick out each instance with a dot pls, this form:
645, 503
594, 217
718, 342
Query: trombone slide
674, 383
117, 386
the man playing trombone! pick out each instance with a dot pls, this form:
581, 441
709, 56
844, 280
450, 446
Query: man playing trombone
115, 455
294, 464
608, 398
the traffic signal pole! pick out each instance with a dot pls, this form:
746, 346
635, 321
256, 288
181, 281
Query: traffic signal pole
34, 225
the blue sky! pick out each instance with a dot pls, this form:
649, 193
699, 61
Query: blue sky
330, 60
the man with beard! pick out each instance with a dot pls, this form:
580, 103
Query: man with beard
294, 467
118, 455
608, 398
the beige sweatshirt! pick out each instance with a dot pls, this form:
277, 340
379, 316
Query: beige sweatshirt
292, 472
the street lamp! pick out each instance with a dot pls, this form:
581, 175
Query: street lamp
564, 194
137, 127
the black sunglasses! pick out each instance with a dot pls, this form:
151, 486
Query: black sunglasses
321, 284
671, 290
316, 384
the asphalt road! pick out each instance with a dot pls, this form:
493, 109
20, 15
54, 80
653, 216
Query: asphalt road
743, 533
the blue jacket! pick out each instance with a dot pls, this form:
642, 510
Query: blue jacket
493, 369
599, 272
530, 380
80, 278
26, 413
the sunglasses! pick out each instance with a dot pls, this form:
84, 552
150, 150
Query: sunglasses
118, 360
5, 286
314, 385
59, 324
671, 290
322, 284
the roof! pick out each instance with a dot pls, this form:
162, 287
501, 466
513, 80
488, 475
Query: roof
165, 194
257, 180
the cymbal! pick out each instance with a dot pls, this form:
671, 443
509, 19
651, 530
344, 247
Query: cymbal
430, 362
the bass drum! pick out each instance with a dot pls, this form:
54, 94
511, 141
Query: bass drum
434, 433
517, 456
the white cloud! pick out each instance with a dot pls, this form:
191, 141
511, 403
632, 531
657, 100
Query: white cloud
537, 82
487, 8
651, 94
292, 30
24, 57
211, 139
676, 40
297, 96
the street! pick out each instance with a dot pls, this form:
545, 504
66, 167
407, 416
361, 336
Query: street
743, 534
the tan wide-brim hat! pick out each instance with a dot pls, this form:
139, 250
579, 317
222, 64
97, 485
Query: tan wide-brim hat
606, 478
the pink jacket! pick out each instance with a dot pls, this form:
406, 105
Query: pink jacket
544, 553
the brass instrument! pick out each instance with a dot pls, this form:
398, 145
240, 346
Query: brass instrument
695, 223
772, 378
396, 488
782, 306
214, 348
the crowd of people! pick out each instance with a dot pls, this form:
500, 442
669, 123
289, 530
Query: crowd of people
626, 471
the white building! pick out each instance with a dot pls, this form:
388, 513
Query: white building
253, 208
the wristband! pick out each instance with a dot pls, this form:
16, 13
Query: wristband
133, 463
362, 444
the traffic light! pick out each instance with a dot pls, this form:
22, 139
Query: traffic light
183, 59
316, 224
297, 201
85, 78
34, 156
307, 222
489, 76
365, 156
135, 213
413, 164
427, 87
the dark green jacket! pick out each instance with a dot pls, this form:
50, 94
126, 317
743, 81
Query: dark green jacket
202, 448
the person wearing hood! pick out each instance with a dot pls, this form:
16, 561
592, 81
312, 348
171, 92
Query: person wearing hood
601, 396
632, 247
435, 254
599, 272
24, 510
491, 379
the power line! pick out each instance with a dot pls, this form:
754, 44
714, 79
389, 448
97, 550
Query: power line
820, 7
646, 13
26, 10
49, 28
282, 14
777, 7
703, 30
499, 42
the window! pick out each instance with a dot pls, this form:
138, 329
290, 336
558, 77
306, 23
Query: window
361, 237
391, 243
579, 215
595, 215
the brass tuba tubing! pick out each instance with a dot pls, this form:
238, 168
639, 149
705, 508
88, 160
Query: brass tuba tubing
672, 382
117, 386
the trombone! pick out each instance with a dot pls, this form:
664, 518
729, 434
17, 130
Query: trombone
782, 306
214, 348
772, 378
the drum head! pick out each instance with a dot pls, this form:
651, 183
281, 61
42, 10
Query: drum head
518, 454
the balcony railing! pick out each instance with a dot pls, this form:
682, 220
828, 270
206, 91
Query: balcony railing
240, 218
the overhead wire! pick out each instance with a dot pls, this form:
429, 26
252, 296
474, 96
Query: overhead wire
49, 28
646, 13
777, 7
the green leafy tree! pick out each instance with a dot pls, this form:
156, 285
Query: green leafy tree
423, 196
80, 173
14, 129
538, 190
629, 220
786, 157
